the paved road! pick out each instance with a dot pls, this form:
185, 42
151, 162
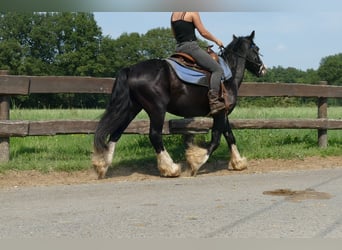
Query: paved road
232, 206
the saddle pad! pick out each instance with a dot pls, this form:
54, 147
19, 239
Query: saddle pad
227, 73
188, 75
196, 77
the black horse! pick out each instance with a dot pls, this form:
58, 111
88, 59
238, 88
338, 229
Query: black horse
153, 85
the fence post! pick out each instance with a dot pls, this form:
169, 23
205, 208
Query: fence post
322, 114
4, 115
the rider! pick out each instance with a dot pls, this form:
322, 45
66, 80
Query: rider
183, 25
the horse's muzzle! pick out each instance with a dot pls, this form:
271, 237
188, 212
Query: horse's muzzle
262, 70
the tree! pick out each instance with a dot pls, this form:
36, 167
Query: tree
50, 43
78, 44
10, 54
330, 69
131, 48
13, 39
158, 43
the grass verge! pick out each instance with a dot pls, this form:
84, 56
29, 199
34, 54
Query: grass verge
72, 152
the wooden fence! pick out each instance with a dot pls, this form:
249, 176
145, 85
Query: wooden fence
25, 85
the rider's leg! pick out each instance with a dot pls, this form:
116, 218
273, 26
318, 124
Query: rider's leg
206, 61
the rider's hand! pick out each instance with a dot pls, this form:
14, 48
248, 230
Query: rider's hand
219, 43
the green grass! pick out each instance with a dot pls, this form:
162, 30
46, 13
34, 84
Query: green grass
72, 152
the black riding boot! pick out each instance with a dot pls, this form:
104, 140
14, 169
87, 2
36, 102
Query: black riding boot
215, 104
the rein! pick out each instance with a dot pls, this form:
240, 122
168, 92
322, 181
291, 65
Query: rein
224, 51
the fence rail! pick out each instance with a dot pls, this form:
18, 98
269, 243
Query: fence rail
25, 85
174, 126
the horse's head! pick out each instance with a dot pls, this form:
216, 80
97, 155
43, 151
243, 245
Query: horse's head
245, 48
254, 63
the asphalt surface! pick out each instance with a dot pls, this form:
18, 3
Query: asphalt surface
232, 206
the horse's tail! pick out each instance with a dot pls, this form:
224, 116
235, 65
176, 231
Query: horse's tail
115, 112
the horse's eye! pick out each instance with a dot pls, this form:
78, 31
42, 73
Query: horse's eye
256, 48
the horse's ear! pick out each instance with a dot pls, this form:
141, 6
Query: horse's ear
234, 37
252, 35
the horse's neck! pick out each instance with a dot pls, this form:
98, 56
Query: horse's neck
238, 71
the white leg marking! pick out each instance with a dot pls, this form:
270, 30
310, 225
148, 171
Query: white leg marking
110, 153
166, 166
101, 161
196, 157
236, 161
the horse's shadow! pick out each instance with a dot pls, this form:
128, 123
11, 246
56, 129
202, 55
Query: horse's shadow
151, 170
148, 166
123, 170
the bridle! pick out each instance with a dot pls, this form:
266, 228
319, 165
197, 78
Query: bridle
224, 54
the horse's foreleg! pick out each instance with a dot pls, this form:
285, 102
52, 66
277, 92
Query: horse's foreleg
166, 166
236, 161
197, 156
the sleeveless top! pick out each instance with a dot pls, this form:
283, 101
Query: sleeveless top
184, 30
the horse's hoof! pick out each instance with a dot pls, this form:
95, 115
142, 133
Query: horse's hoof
100, 167
194, 172
240, 165
175, 171
101, 175
100, 170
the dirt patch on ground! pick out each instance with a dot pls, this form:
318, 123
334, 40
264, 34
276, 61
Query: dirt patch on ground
134, 173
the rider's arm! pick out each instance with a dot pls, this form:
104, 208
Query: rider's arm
196, 19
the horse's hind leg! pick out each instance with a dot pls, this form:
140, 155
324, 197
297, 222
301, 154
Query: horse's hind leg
101, 161
166, 166
236, 161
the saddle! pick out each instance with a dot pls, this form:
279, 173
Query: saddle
188, 61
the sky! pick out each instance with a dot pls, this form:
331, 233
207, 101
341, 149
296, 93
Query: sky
296, 38
291, 33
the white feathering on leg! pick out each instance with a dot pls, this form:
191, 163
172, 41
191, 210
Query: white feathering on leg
166, 165
196, 157
236, 161
101, 161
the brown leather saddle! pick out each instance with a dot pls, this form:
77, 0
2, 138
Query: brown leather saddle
188, 61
